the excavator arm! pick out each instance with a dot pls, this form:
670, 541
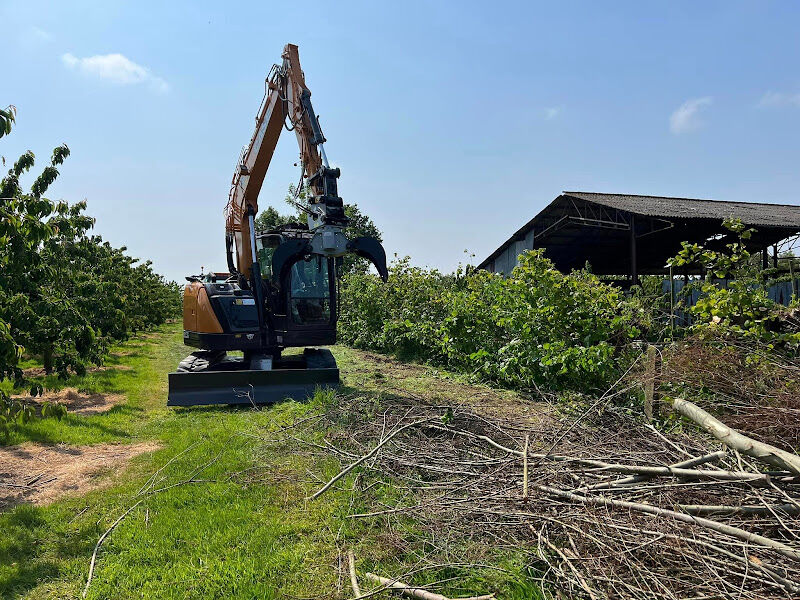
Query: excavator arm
287, 102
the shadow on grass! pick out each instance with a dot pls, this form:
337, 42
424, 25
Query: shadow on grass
46, 432
24, 563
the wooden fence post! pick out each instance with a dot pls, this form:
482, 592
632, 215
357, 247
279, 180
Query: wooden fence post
650, 382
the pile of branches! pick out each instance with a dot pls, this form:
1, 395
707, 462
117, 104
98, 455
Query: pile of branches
601, 504
753, 387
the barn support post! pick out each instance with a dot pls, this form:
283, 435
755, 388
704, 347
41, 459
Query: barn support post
775, 256
671, 300
764, 259
634, 266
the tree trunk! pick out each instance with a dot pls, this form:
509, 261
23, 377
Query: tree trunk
47, 358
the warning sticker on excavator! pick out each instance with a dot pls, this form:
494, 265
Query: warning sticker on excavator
245, 301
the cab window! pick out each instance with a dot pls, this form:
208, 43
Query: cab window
265, 248
309, 293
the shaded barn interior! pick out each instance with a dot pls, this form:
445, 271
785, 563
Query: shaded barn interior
627, 235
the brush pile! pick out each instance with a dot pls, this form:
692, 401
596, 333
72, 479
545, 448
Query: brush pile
756, 389
602, 504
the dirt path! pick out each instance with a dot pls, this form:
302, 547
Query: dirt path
77, 402
40, 474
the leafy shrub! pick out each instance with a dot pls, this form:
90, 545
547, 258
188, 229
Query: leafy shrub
742, 308
538, 327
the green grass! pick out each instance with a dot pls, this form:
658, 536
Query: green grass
243, 531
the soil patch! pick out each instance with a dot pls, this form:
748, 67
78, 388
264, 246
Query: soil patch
40, 372
77, 402
40, 473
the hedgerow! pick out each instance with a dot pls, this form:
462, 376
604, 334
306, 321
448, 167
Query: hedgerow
536, 328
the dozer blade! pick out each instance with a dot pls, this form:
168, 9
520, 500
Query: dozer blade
229, 384
248, 387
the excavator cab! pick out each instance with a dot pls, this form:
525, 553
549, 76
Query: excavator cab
310, 285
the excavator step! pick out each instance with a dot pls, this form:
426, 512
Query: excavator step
230, 382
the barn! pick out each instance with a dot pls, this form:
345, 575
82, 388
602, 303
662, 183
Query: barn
628, 235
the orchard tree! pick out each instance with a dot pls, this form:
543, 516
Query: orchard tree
66, 294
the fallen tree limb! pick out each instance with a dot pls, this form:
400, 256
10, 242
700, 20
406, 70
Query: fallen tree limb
686, 464
351, 564
711, 509
416, 592
733, 439
100, 542
646, 472
371, 453
729, 530
686, 473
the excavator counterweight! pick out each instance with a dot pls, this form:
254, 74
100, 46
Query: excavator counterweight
281, 289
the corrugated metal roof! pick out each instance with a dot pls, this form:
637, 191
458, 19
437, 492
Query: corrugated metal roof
781, 220
751, 213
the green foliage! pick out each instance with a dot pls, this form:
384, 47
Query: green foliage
7, 117
270, 218
538, 327
742, 307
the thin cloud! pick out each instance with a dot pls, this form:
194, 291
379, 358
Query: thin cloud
687, 117
779, 99
117, 69
39, 34
33, 37
552, 112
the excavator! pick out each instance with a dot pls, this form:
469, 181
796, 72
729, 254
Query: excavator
282, 286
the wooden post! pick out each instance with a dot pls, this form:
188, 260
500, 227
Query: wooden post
525, 470
649, 382
775, 256
764, 259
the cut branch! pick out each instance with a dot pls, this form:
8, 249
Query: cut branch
729, 530
351, 564
686, 464
100, 542
416, 592
371, 453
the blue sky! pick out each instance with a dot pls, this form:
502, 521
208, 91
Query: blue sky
453, 122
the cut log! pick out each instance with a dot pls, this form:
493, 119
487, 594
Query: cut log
733, 439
